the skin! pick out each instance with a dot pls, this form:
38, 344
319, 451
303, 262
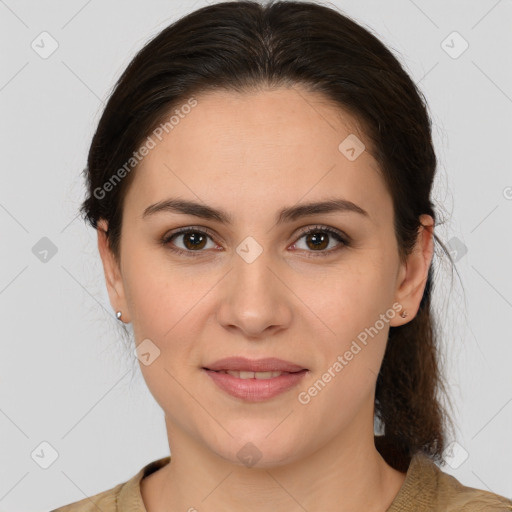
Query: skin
252, 154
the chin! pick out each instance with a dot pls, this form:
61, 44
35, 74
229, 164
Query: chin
260, 448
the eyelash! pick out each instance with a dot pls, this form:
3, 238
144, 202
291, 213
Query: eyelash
341, 237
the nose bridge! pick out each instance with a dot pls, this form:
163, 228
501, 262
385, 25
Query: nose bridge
252, 276
253, 299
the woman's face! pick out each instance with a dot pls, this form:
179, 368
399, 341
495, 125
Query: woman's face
258, 286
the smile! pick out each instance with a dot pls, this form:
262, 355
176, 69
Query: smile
252, 375
254, 386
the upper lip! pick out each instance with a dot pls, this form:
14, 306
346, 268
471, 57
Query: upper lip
244, 364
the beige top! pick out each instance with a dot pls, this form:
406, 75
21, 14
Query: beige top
426, 488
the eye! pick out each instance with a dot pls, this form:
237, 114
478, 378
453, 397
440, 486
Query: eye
196, 239
319, 238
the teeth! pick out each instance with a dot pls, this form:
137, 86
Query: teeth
253, 375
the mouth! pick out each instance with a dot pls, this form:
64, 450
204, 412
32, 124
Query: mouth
254, 380
245, 366
241, 374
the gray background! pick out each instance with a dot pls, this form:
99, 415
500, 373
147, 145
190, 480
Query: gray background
65, 379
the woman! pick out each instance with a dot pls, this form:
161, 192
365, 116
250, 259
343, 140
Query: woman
260, 182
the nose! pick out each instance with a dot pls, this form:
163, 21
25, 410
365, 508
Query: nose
255, 298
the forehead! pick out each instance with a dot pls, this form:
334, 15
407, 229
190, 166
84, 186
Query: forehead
275, 146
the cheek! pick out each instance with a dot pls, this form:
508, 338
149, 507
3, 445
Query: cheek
166, 306
160, 294
348, 328
170, 305
351, 342
346, 298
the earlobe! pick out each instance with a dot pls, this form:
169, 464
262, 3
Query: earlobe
113, 279
413, 273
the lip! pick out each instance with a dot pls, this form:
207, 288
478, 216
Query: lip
267, 364
255, 390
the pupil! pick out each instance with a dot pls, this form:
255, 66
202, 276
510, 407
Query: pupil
321, 238
196, 239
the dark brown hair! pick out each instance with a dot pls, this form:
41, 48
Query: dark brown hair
242, 46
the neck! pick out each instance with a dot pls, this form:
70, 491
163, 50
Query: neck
345, 475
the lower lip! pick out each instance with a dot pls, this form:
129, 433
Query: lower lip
255, 390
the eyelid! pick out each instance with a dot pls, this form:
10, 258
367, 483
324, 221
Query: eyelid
319, 227
344, 239
166, 239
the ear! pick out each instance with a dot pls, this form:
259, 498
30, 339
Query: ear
113, 279
413, 274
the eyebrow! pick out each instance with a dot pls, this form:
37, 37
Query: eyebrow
288, 214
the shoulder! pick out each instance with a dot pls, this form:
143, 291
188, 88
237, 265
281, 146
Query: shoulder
124, 497
105, 501
455, 496
428, 488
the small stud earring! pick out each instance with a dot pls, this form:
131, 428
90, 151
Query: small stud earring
403, 314
118, 314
